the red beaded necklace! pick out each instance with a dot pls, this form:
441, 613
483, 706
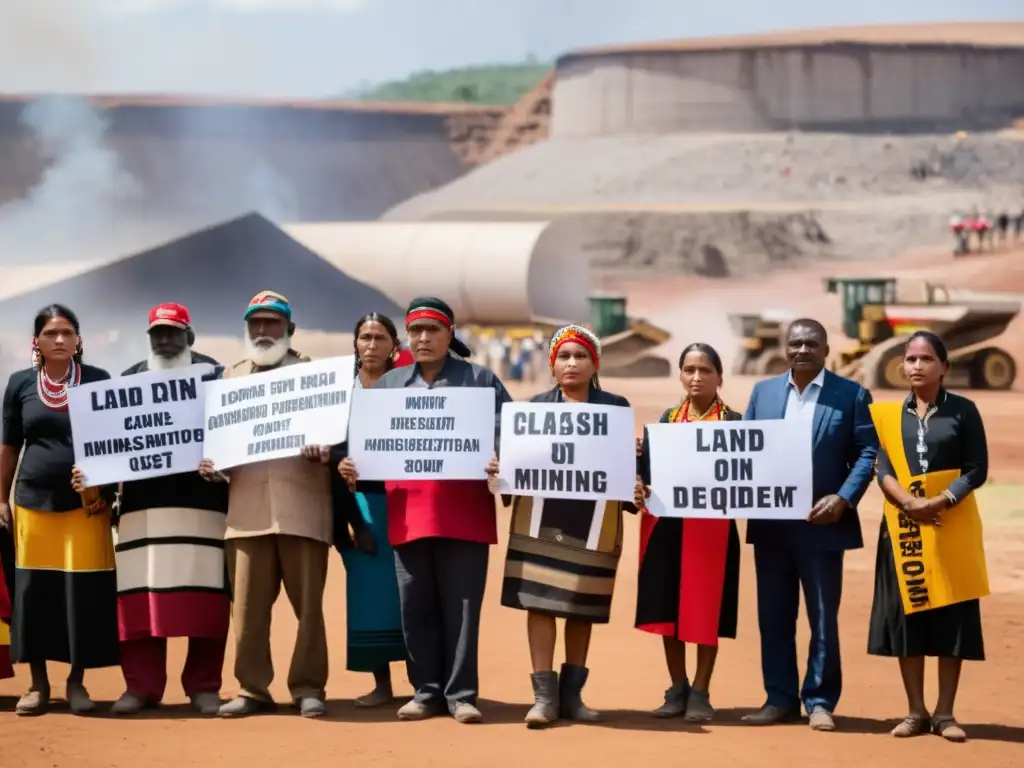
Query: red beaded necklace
714, 413
54, 394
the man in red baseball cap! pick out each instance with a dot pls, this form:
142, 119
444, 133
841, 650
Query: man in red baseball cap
163, 590
170, 341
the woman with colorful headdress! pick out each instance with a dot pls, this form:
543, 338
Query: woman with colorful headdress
689, 580
563, 553
65, 604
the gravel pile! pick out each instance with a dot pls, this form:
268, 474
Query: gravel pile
872, 196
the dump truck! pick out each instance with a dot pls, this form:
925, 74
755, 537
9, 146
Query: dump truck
881, 314
762, 338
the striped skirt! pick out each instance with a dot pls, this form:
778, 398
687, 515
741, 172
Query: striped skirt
562, 558
172, 580
65, 589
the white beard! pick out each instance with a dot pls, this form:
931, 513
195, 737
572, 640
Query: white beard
158, 363
267, 357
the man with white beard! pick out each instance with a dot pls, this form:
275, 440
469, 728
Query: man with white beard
170, 342
171, 578
279, 531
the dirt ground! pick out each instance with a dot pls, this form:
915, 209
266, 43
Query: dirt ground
628, 672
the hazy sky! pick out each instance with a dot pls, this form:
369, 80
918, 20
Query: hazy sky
311, 48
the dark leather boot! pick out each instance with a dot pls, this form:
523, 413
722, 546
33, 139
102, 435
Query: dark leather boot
570, 699
545, 697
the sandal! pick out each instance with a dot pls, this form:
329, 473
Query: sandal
379, 696
35, 702
948, 728
912, 725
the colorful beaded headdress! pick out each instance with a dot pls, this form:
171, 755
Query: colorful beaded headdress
577, 334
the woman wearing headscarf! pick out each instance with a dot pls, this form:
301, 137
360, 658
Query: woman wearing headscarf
563, 553
65, 596
689, 579
933, 457
374, 612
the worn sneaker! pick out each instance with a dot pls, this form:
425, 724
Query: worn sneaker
206, 703
465, 713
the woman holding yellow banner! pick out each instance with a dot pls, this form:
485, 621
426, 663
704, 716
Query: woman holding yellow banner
930, 567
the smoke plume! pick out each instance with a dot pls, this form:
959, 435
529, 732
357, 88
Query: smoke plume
82, 189
87, 205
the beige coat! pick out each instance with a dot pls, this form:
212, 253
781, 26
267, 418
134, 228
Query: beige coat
283, 496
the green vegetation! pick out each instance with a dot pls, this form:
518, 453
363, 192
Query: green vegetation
497, 84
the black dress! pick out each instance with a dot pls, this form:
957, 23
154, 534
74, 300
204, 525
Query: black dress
954, 440
65, 587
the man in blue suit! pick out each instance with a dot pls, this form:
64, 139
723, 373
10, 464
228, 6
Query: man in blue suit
789, 554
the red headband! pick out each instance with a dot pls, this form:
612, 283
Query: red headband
427, 313
575, 338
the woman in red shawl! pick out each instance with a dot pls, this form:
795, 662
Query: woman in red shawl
689, 579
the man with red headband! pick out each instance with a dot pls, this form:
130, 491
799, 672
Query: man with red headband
171, 578
441, 531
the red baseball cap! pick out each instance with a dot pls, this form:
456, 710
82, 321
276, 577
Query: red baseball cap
172, 315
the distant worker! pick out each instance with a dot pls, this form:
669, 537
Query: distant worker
495, 355
958, 227
1003, 225
527, 358
981, 226
539, 355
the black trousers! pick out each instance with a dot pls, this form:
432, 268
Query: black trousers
441, 584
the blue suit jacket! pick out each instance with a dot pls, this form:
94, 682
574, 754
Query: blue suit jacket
843, 453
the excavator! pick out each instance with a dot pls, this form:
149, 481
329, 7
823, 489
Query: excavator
881, 314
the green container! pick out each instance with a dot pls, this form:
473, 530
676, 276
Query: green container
607, 313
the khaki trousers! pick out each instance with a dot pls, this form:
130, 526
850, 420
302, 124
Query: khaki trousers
258, 566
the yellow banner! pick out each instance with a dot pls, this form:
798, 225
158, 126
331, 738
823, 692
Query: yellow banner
935, 566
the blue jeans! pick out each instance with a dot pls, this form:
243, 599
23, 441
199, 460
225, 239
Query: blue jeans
781, 572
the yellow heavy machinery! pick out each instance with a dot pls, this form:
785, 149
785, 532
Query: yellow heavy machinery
762, 337
882, 313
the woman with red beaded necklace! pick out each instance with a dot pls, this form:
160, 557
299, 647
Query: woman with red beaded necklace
65, 591
688, 584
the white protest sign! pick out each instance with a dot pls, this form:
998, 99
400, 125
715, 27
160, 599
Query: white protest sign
567, 451
274, 414
731, 469
445, 433
138, 426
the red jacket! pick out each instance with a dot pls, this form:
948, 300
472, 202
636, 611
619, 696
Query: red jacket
404, 357
447, 509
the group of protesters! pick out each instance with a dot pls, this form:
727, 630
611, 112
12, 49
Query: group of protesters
198, 551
